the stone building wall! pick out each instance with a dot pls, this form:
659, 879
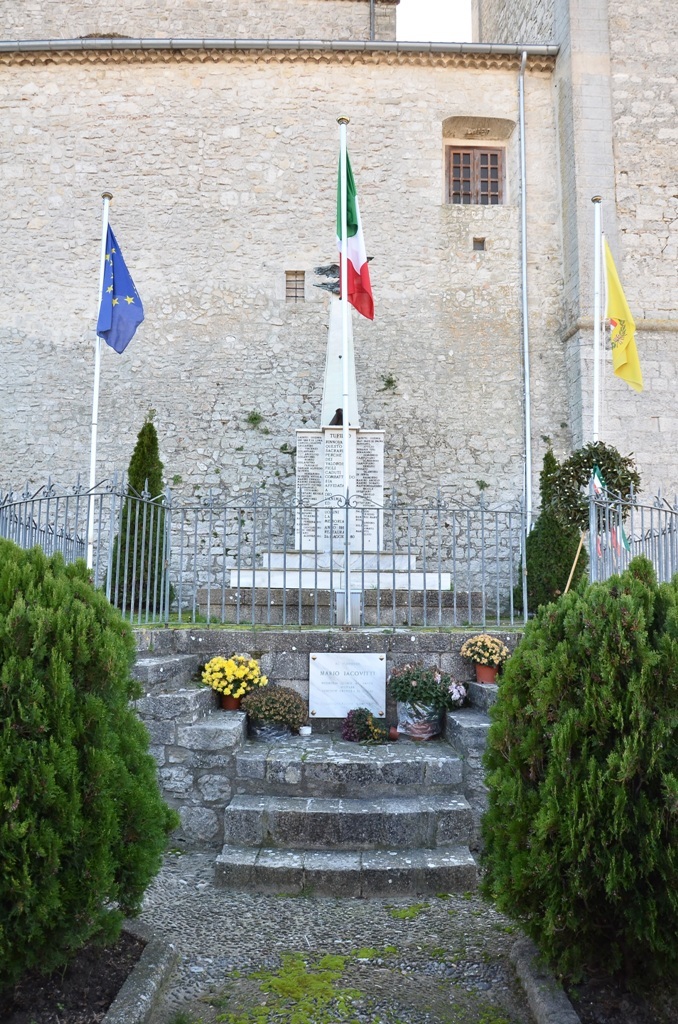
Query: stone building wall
223, 169
615, 96
517, 21
644, 88
197, 19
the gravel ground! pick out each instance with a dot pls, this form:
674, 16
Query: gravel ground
449, 964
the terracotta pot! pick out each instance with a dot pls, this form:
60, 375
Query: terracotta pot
393, 733
486, 673
230, 703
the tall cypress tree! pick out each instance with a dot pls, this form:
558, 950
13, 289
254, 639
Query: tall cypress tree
138, 550
551, 546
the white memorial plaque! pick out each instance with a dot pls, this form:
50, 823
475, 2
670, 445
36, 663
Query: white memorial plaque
340, 682
320, 478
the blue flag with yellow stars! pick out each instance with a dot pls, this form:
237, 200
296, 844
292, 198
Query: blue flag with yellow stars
121, 311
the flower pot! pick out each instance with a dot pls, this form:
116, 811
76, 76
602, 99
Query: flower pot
230, 703
305, 730
419, 721
393, 733
486, 673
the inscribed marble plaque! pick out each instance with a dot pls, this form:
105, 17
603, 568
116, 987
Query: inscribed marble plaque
340, 682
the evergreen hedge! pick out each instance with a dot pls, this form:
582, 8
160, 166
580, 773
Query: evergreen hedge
581, 834
82, 823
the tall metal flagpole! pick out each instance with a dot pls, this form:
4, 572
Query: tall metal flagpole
345, 313
597, 314
106, 196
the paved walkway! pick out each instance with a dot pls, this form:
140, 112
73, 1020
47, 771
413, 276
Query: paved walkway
443, 960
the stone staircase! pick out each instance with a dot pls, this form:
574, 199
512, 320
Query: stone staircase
315, 813
332, 816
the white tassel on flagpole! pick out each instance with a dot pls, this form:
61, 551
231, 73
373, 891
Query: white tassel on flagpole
106, 196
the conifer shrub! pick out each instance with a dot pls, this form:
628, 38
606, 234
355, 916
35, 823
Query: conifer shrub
551, 546
581, 834
138, 550
82, 823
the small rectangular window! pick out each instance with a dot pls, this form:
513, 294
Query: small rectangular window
474, 176
294, 285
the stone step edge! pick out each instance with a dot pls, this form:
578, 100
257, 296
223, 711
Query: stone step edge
294, 769
165, 673
351, 805
347, 872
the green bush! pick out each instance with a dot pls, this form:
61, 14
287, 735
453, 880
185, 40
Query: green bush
581, 834
550, 547
279, 704
138, 552
82, 824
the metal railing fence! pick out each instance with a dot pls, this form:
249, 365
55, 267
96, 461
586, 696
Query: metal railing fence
159, 559
620, 529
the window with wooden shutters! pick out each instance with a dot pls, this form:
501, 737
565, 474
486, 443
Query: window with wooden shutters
475, 176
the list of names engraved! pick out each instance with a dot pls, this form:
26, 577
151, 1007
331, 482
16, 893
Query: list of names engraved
320, 489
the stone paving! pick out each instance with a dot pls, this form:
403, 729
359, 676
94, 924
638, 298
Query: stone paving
446, 961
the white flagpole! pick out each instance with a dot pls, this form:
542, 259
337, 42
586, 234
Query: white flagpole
603, 329
597, 316
345, 313
106, 196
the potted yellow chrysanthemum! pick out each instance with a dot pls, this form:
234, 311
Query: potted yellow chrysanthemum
232, 678
488, 653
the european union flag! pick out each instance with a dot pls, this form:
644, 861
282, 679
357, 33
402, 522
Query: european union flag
121, 311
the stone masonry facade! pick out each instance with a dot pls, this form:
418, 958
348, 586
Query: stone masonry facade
199, 19
223, 169
222, 163
616, 96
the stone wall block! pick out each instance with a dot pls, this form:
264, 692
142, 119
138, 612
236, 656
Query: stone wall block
176, 781
215, 788
222, 732
158, 753
286, 665
184, 706
161, 733
200, 826
458, 667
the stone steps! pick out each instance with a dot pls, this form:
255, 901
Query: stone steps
313, 814
328, 766
165, 673
347, 872
322, 579
317, 823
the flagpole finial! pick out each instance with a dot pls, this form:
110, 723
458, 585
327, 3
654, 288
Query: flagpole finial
596, 199
343, 120
106, 195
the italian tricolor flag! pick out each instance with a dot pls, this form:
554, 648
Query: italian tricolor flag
359, 290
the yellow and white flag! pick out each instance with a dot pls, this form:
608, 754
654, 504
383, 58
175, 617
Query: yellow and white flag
625, 360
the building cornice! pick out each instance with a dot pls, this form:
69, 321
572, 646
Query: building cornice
585, 326
122, 50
